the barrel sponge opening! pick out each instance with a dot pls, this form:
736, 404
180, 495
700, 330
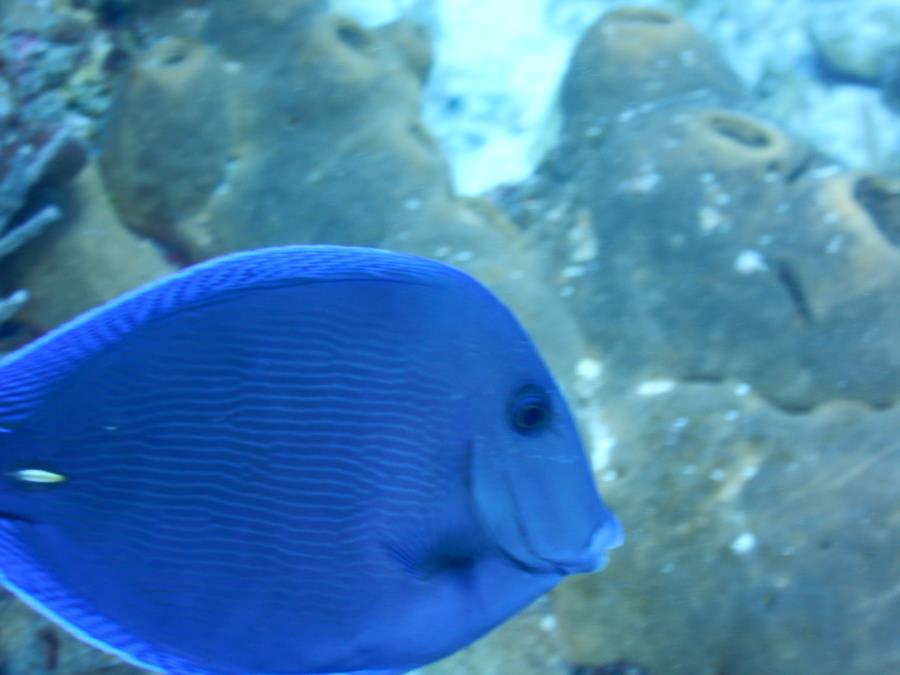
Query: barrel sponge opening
879, 196
635, 56
639, 34
737, 139
175, 63
642, 15
352, 34
739, 129
864, 214
173, 98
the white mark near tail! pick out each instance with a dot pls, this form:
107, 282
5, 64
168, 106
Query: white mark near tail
38, 476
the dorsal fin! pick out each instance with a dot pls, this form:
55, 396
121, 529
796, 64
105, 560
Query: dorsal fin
25, 374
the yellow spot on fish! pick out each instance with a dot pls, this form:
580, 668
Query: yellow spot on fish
38, 476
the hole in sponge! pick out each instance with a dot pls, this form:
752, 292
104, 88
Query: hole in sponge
880, 197
352, 35
740, 130
643, 15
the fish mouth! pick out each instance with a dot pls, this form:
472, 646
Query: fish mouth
607, 535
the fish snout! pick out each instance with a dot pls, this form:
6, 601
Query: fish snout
607, 535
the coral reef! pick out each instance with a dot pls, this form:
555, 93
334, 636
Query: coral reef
25, 166
319, 106
53, 89
84, 260
740, 292
758, 541
496, 72
695, 212
57, 63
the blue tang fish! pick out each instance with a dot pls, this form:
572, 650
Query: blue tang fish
292, 460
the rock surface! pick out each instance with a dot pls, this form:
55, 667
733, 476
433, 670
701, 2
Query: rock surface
757, 541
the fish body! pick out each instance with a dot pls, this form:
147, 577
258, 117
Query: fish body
292, 460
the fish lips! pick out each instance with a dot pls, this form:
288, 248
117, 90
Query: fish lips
540, 525
606, 536
591, 557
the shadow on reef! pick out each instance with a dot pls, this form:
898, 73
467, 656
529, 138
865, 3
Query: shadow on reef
719, 299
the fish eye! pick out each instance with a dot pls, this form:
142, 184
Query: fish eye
530, 410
